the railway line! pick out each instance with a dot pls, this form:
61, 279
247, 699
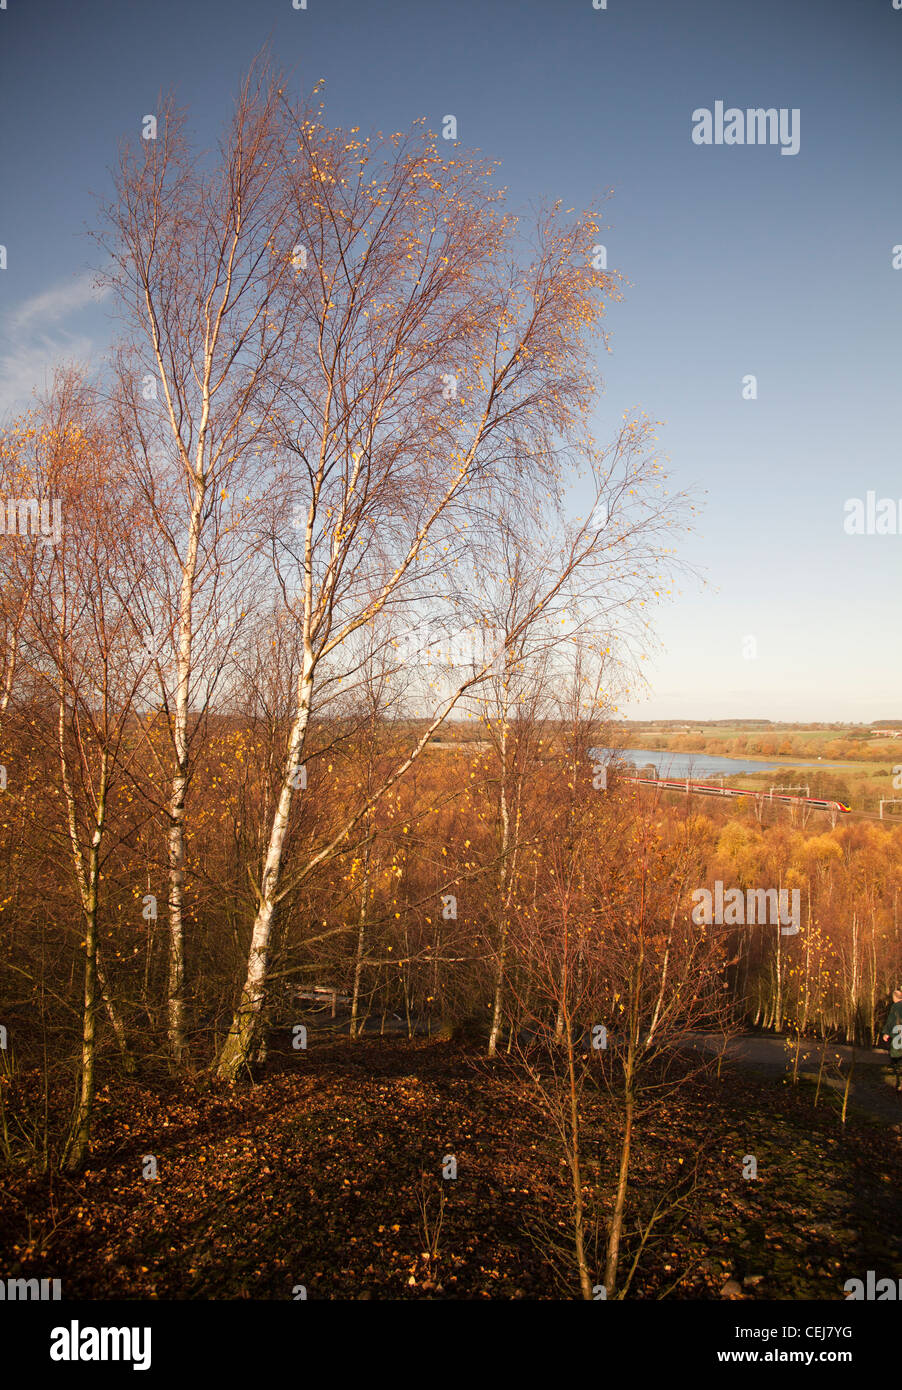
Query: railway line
813, 803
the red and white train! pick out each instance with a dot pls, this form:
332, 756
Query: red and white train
685, 784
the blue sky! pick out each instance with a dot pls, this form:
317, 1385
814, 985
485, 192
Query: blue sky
740, 261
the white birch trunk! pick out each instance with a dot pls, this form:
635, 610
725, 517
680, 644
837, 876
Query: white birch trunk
176, 837
237, 1047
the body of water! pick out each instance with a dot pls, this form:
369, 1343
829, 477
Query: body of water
694, 765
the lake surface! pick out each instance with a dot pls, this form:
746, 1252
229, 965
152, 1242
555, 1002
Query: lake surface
697, 765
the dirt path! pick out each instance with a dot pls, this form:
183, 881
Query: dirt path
872, 1088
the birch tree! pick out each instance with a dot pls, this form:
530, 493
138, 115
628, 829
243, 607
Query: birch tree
207, 308
81, 645
443, 371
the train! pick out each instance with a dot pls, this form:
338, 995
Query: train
685, 784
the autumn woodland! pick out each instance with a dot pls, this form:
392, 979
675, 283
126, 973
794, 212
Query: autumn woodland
326, 898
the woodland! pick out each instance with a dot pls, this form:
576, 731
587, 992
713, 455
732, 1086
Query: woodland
317, 913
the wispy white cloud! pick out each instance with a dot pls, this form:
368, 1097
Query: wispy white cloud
56, 303
34, 347
24, 370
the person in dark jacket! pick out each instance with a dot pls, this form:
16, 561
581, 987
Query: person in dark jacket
892, 1034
